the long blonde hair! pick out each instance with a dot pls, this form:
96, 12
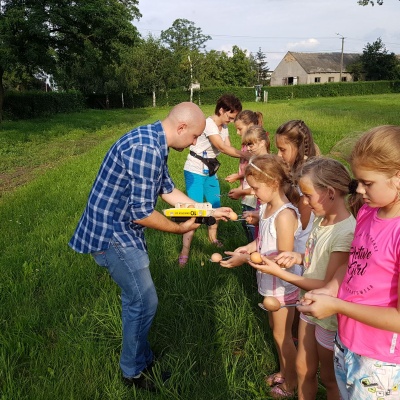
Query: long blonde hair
327, 173
378, 150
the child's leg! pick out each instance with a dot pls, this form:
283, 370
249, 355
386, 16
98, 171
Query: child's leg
307, 361
282, 331
211, 193
327, 372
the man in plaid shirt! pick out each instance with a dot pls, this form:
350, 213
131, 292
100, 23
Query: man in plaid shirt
121, 205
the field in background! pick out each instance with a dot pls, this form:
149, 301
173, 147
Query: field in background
60, 313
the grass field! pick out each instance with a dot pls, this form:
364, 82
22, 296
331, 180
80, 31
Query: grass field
60, 330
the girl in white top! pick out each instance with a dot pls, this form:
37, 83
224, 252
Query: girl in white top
325, 185
279, 220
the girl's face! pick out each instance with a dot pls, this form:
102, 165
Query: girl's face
316, 199
286, 149
257, 148
261, 190
241, 128
376, 188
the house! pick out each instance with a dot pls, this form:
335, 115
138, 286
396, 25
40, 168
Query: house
305, 68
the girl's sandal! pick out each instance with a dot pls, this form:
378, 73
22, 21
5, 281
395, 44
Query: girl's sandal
277, 392
274, 379
182, 259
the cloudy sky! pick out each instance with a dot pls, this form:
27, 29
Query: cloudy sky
278, 26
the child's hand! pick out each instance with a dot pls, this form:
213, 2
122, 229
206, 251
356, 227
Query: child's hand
232, 178
287, 259
252, 217
236, 259
319, 305
268, 266
235, 194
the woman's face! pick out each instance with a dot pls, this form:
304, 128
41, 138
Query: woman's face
241, 128
286, 149
227, 116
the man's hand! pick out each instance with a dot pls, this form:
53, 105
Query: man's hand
222, 213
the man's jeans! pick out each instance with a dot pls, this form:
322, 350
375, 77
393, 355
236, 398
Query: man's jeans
129, 268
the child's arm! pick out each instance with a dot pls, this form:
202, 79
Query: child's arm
237, 193
240, 256
322, 306
336, 258
286, 226
234, 177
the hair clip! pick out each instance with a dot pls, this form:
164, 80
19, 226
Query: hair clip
353, 186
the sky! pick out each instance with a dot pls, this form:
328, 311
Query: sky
279, 26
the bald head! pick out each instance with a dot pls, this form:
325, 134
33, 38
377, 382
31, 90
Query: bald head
183, 125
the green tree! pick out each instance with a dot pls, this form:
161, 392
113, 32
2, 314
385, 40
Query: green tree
261, 67
184, 36
378, 63
241, 71
153, 67
64, 37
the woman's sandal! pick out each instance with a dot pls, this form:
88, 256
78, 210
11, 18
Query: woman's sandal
274, 379
277, 392
217, 243
182, 259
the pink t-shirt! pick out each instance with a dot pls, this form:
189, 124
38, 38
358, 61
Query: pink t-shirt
372, 278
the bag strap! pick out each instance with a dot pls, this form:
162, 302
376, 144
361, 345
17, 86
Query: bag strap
193, 154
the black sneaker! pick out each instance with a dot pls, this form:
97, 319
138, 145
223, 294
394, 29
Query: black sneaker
141, 382
146, 380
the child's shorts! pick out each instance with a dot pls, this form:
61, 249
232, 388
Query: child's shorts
360, 377
323, 337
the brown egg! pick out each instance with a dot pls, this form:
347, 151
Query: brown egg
233, 216
255, 257
216, 257
271, 303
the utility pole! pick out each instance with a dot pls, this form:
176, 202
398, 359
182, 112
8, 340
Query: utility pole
191, 79
341, 58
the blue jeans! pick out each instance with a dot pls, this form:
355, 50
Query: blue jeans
129, 268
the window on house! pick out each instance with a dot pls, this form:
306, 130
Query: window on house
331, 79
344, 78
317, 79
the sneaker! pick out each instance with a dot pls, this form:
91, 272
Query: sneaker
146, 380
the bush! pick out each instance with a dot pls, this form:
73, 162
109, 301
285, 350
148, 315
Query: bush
32, 104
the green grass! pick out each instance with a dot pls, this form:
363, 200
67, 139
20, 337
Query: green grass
60, 333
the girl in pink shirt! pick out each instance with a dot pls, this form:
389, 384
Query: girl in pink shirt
365, 292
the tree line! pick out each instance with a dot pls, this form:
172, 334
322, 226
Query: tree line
93, 46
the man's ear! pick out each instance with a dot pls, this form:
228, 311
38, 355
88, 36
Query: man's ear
181, 128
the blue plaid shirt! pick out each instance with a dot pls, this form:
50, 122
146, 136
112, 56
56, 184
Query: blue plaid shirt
132, 176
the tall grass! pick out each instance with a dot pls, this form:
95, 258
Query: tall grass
60, 333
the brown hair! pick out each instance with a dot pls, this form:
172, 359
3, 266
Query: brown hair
273, 171
249, 117
256, 134
378, 150
327, 173
299, 134
229, 103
